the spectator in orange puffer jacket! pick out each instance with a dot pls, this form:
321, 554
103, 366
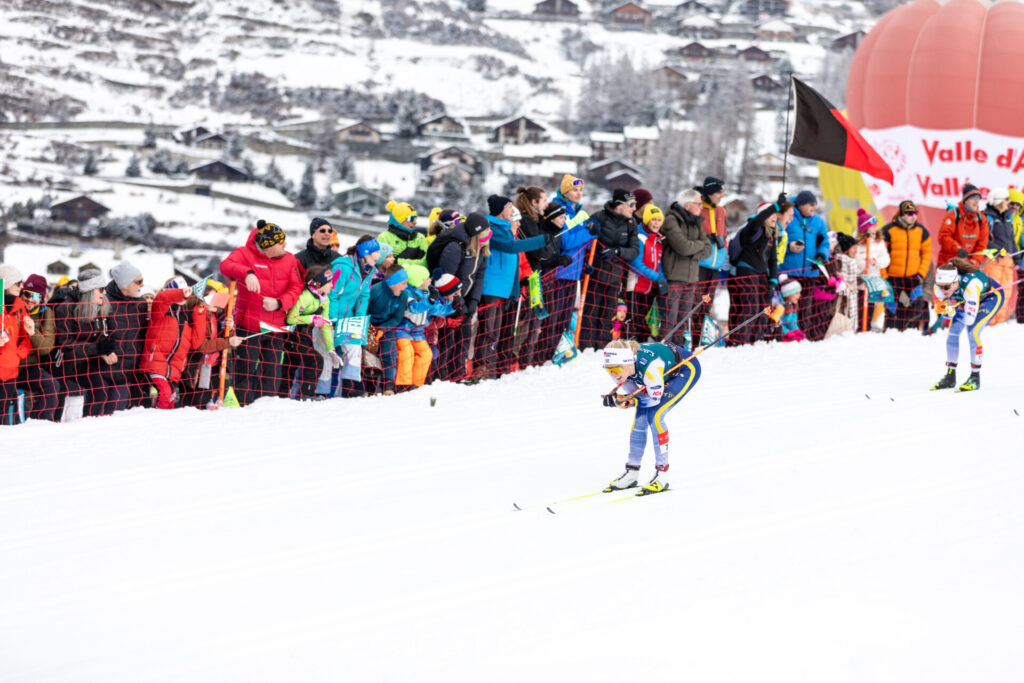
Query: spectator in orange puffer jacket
964, 231
910, 257
173, 332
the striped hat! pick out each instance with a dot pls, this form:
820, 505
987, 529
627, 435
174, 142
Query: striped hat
448, 284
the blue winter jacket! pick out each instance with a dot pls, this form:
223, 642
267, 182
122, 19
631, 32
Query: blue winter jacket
385, 309
502, 275
814, 234
421, 305
351, 293
575, 239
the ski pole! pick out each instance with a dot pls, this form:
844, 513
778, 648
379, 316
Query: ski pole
767, 310
704, 299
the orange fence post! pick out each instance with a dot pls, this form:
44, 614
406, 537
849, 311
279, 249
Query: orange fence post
583, 293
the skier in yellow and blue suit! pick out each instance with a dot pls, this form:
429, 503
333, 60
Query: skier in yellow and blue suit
970, 298
649, 371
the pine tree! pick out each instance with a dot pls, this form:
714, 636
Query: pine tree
272, 176
235, 147
307, 188
344, 168
159, 161
134, 169
250, 168
90, 166
180, 166
149, 136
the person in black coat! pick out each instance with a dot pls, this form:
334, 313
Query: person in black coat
618, 243
126, 320
83, 349
458, 252
757, 270
318, 250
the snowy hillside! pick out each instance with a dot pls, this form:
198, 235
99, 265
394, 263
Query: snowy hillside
230, 61
810, 533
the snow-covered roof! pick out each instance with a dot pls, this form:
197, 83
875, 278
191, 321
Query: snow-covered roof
641, 132
253, 191
607, 137
775, 26
156, 267
698, 21
546, 149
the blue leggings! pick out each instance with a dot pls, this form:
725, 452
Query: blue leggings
653, 417
987, 309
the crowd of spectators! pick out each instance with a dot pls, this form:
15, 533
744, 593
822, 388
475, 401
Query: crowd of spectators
476, 295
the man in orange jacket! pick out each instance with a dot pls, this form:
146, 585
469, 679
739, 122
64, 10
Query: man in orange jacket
964, 231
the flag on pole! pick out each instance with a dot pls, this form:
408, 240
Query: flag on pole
199, 288
823, 134
267, 327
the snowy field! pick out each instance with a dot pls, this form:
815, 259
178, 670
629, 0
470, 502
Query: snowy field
810, 533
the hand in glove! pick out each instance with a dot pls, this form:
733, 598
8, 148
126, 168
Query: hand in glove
335, 359
412, 253
564, 260
593, 227
720, 241
105, 346
608, 254
548, 238
962, 253
460, 307
662, 285
471, 307
320, 321
610, 400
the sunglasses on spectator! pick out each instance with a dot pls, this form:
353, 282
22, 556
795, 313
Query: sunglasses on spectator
578, 182
137, 282
31, 296
910, 213
631, 205
325, 231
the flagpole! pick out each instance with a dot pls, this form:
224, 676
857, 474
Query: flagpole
789, 104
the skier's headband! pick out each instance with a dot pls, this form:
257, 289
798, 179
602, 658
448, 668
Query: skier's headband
396, 278
618, 357
946, 276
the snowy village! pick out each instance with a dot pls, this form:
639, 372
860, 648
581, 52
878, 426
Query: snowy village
351, 340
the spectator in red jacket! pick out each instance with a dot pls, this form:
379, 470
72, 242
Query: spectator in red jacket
270, 286
15, 336
173, 332
964, 230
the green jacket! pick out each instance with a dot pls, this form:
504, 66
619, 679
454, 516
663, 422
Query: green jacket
305, 308
410, 247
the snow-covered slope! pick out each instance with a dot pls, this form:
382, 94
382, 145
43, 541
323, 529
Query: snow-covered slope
233, 61
810, 534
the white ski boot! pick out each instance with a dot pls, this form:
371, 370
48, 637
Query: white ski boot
626, 481
658, 483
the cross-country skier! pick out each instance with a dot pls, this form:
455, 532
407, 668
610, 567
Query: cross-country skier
972, 300
660, 375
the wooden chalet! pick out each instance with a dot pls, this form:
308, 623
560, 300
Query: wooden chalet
219, 171
518, 131
630, 16
187, 137
79, 210
452, 153
559, 8
359, 132
850, 41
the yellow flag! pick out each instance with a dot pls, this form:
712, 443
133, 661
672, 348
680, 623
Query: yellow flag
230, 400
845, 191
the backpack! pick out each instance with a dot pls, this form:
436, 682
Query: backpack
437, 246
735, 247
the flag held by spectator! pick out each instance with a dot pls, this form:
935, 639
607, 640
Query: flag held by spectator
823, 134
